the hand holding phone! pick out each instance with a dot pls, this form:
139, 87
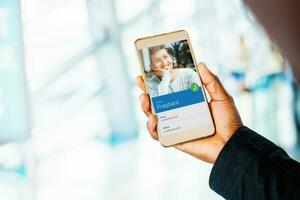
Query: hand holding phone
224, 112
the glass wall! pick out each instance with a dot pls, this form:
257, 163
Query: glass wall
82, 134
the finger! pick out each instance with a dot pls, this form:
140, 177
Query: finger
140, 82
212, 83
157, 69
152, 126
145, 104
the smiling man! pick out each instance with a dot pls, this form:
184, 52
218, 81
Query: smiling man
166, 78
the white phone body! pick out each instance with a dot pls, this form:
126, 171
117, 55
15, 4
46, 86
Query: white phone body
180, 106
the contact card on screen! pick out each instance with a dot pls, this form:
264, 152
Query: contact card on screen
177, 100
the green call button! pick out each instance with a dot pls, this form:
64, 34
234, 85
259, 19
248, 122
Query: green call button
194, 87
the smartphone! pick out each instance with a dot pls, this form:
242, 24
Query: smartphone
173, 83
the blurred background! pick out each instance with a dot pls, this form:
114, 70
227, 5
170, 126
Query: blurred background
70, 122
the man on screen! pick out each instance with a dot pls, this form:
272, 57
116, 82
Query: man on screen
167, 79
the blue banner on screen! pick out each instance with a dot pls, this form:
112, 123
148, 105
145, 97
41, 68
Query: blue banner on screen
177, 100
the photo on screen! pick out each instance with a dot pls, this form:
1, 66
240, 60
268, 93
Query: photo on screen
169, 68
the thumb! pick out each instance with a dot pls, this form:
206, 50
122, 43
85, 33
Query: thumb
212, 83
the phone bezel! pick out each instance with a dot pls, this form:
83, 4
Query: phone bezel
164, 38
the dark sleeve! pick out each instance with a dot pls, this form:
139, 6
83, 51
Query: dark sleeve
251, 167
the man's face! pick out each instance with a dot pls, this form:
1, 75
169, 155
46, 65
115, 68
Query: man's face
161, 60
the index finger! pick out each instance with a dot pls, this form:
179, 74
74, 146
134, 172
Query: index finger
212, 83
140, 82
156, 68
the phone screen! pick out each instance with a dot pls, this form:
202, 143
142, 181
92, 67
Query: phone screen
174, 87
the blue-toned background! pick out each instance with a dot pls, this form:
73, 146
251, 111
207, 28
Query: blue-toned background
87, 137
14, 115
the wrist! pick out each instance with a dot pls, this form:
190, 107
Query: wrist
219, 144
222, 140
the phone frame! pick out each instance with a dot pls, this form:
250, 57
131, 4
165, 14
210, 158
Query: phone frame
160, 39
